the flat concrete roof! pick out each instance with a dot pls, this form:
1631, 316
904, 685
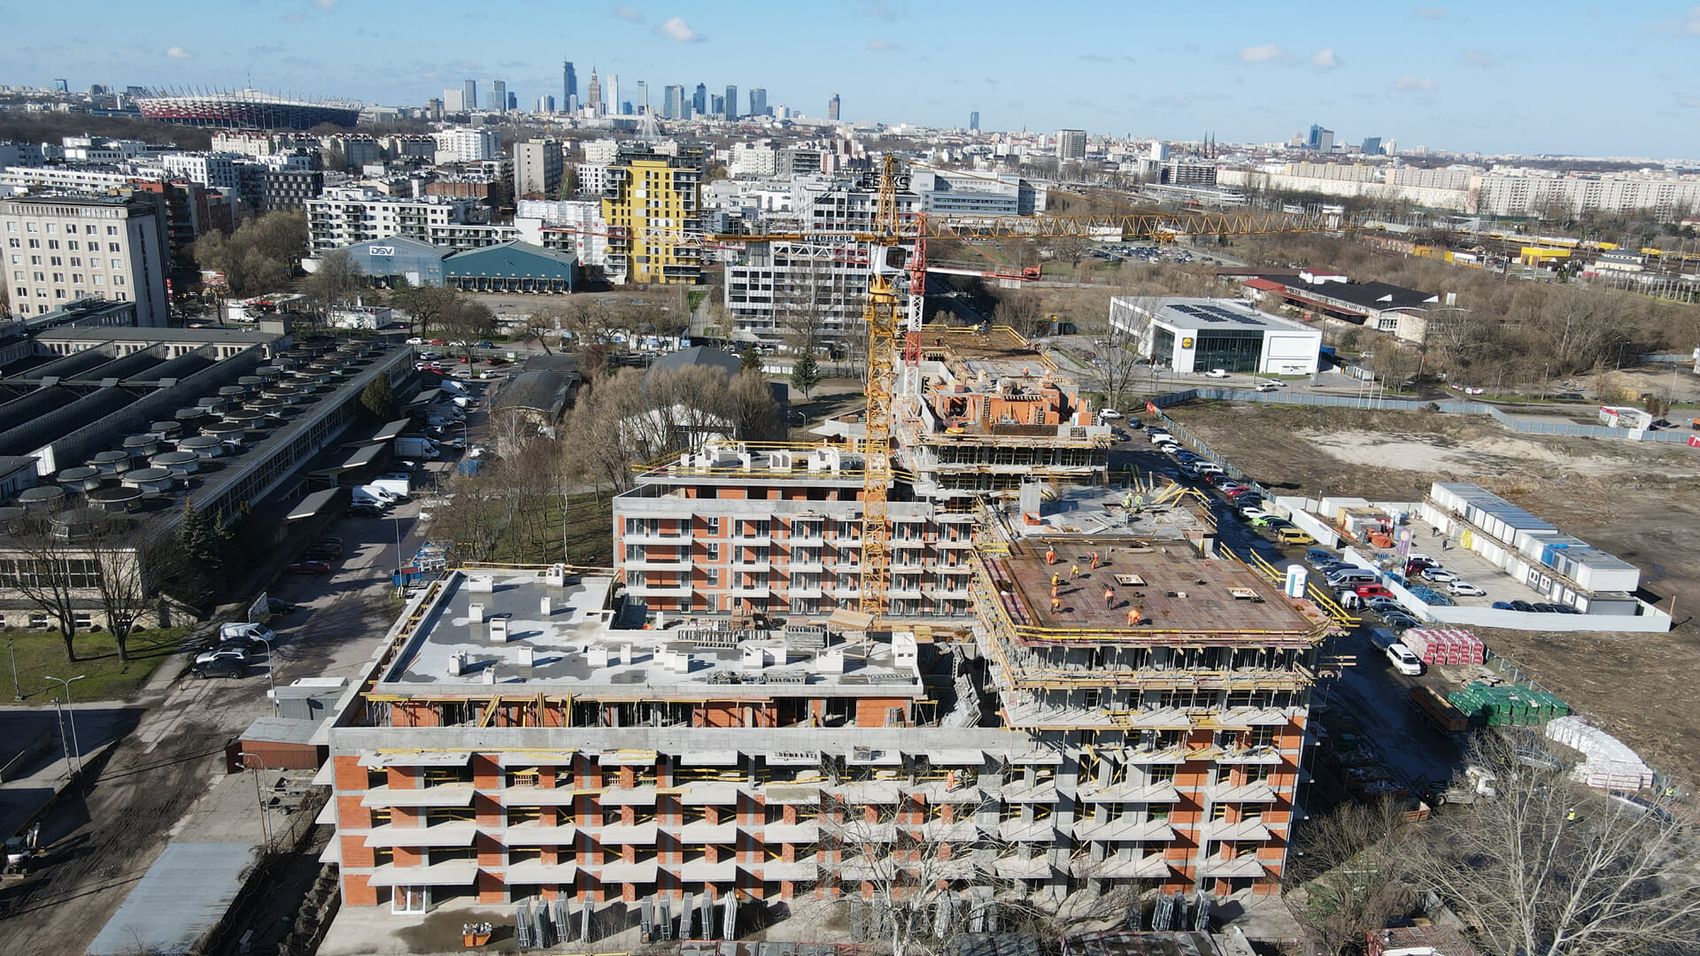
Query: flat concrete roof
577, 647
1198, 314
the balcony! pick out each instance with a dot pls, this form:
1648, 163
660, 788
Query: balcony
676, 538
1243, 793
1027, 831
1251, 830
657, 564
1142, 868
530, 796
1265, 756
750, 590
1133, 792
751, 539
1228, 868
701, 831
456, 834
1121, 829
442, 795
1029, 868
754, 564
452, 873
656, 590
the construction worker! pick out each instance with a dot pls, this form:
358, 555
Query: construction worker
1055, 580
1132, 616
1050, 555
1074, 571
1094, 560
1109, 597
1570, 815
1056, 603
1056, 590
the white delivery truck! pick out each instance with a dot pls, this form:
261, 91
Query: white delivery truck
416, 447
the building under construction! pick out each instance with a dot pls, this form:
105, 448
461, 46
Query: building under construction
778, 530
1123, 708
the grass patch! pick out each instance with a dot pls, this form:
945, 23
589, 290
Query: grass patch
695, 298
589, 534
39, 653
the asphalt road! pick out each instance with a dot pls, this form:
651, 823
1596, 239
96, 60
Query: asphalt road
99, 843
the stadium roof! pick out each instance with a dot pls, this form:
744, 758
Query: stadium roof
511, 260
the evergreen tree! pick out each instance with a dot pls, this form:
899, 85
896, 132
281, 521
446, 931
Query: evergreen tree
379, 399
750, 359
805, 373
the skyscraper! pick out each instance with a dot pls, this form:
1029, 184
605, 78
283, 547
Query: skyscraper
758, 101
469, 94
611, 95
832, 107
546, 103
594, 92
673, 102
731, 102
499, 95
699, 102
569, 85
1371, 146
974, 121
717, 104
641, 101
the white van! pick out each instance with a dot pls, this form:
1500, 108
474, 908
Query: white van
1352, 576
1403, 660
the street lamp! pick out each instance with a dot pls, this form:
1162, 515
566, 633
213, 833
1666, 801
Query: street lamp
17, 689
271, 684
259, 797
76, 748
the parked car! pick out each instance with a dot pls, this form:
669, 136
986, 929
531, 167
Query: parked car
1109, 414
240, 635
1216, 373
483, 344
1464, 589
364, 510
309, 567
1399, 620
416, 340
1238, 491
1439, 575
1290, 535
1158, 437
219, 667
1403, 660
222, 653
1253, 515
325, 552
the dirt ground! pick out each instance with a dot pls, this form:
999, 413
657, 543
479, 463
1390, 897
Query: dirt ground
1640, 502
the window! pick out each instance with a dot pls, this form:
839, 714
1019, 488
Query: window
712, 550
713, 524
117, 280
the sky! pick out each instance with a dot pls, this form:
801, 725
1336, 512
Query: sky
1561, 76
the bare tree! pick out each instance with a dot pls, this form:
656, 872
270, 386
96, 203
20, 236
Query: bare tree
121, 585
1550, 867
1348, 874
52, 577
336, 282
424, 305
754, 413
1115, 355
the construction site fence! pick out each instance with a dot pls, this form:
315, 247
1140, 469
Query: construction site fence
1376, 402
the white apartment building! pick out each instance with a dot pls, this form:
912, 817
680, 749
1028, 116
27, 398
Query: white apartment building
593, 178
574, 224
779, 287
601, 151
752, 160
60, 249
467, 145
840, 205
213, 170
349, 214
75, 178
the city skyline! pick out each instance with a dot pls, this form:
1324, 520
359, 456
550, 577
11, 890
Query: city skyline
1450, 77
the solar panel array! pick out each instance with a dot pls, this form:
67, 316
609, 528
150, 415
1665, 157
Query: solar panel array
1216, 313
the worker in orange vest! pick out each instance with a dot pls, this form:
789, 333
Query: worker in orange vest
1094, 560
1056, 604
1050, 555
1109, 598
1132, 616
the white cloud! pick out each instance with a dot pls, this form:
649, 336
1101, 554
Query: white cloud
882, 46
324, 4
1325, 58
1691, 22
629, 14
1432, 13
1479, 58
1261, 54
677, 30
178, 53
1414, 84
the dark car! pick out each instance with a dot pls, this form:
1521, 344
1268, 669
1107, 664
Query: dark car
220, 667
483, 344
309, 567
326, 552
365, 511
1522, 606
